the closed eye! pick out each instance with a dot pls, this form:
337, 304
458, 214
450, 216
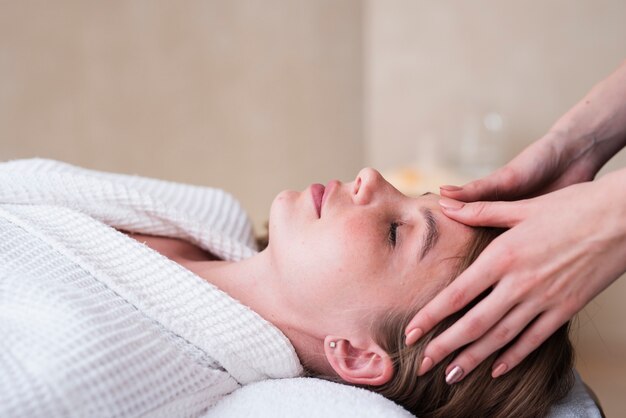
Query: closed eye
393, 231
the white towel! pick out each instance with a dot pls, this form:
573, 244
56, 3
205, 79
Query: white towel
315, 398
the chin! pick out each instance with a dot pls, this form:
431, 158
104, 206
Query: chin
282, 214
283, 205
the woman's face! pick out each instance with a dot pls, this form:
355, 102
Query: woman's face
366, 247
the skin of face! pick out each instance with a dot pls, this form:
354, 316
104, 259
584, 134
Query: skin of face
338, 268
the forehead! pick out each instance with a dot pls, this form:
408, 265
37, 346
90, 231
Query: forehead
453, 236
441, 262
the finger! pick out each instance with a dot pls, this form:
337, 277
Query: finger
497, 214
529, 341
471, 327
478, 277
500, 184
498, 336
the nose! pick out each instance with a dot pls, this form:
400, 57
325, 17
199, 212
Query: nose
365, 185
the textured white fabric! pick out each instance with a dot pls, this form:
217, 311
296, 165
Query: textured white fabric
94, 323
316, 398
304, 398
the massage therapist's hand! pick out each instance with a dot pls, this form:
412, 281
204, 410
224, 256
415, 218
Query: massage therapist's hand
561, 250
551, 163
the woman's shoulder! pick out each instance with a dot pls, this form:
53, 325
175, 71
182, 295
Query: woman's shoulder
182, 194
169, 206
33, 165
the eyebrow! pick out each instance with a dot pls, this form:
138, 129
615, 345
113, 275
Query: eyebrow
432, 232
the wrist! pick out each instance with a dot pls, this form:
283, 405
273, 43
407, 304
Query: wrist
597, 123
572, 145
592, 146
613, 184
611, 192
576, 133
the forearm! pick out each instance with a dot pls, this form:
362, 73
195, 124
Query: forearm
598, 122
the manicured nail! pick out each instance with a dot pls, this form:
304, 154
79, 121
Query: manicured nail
427, 363
413, 336
450, 204
455, 375
451, 188
499, 370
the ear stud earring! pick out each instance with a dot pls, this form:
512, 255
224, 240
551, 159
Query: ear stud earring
332, 344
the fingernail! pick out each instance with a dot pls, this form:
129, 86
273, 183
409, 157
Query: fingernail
450, 204
451, 188
413, 336
455, 375
427, 363
499, 370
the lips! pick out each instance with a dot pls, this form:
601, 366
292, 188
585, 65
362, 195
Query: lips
317, 192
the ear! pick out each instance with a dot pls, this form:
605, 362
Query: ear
359, 362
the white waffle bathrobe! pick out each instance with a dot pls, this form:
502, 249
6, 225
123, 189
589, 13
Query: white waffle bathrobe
94, 323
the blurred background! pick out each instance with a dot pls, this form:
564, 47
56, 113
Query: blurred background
256, 97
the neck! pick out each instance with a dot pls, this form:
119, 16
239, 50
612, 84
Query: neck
252, 282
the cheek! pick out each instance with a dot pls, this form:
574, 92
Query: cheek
323, 263
352, 244
345, 257
357, 226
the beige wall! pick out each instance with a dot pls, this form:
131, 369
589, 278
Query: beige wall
258, 96
250, 96
430, 66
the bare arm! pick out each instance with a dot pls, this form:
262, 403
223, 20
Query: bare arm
597, 124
